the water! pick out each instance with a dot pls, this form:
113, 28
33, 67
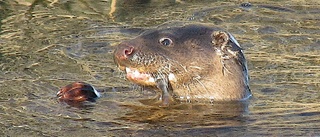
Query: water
48, 44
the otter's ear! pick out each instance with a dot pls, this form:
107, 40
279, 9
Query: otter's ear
220, 38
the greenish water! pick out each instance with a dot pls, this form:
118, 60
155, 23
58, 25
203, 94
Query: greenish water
45, 45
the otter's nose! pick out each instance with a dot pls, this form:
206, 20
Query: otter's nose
123, 51
128, 50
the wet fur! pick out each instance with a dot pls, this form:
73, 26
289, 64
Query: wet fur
208, 64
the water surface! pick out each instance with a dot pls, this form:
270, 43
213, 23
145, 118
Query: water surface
45, 45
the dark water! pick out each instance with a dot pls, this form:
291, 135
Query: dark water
47, 44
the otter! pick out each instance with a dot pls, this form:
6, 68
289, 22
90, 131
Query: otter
188, 63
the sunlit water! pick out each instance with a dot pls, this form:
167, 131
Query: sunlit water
48, 44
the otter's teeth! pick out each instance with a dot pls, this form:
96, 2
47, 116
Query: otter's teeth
128, 70
172, 77
151, 79
135, 73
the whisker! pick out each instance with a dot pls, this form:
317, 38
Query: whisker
198, 80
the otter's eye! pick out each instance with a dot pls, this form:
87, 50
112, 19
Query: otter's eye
165, 41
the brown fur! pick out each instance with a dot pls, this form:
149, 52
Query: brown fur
207, 62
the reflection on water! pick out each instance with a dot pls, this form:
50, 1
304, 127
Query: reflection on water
48, 44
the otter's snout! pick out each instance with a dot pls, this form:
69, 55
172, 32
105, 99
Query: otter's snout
123, 51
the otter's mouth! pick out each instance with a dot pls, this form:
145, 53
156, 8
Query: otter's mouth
138, 77
144, 78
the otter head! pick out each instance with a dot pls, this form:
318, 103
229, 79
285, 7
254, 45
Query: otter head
186, 62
